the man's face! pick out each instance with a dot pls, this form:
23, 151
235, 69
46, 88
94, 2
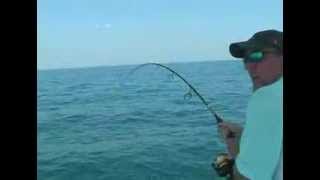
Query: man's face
267, 71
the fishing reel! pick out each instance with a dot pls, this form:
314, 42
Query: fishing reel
223, 165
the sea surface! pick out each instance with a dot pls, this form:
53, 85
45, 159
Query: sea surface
100, 124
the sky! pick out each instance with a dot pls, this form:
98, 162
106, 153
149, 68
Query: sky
84, 33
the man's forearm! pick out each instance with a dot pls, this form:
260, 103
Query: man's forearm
233, 146
234, 151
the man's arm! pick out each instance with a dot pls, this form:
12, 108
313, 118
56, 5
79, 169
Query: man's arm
233, 143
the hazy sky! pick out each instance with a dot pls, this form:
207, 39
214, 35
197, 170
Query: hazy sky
79, 33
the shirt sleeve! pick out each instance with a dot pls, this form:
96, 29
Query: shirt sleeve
261, 140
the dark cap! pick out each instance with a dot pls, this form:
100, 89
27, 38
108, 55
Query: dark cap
259, 41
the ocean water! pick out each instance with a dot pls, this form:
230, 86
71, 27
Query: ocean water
96, 124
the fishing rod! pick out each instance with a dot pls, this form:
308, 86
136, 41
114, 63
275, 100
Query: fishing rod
223, 165
218, 118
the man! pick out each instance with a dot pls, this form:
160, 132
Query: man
257, 148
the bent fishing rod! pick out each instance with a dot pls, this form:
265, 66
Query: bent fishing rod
218, 118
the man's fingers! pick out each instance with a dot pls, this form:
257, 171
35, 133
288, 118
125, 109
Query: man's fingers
225, 129
225, 132
223, 126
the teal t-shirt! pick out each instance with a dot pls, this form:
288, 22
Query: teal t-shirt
261, 140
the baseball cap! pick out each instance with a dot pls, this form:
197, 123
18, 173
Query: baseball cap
259, 41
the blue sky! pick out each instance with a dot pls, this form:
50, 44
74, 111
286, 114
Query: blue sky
81, 33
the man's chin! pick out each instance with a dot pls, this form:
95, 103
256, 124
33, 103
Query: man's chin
257, 85
260, 84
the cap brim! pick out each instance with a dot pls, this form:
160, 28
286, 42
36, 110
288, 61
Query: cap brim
239, 49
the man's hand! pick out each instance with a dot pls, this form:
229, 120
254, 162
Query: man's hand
227, 128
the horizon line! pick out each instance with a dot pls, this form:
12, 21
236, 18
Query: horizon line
116, 65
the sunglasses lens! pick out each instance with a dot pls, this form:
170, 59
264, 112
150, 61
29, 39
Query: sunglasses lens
255, 57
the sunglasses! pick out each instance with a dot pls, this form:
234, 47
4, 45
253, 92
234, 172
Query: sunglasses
257, 56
